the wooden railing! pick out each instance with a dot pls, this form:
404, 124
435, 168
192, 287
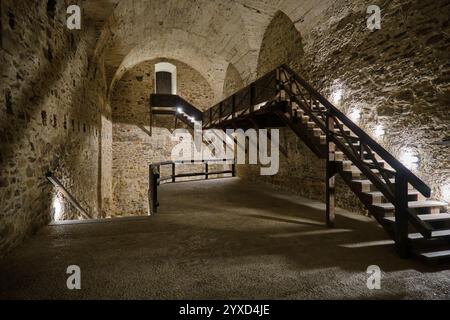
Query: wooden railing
244, 101
67, 195
285, 85
174, 102
357, 146
155, 178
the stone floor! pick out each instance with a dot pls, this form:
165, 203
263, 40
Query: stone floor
219, 239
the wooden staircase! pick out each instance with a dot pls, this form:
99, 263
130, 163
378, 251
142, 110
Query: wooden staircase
392, 194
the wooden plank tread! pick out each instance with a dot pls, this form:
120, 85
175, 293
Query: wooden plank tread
434, 234
413, 204
427, 217
434, 254
366, 181
379, 193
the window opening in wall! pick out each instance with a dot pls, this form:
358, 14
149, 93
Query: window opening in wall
165, 78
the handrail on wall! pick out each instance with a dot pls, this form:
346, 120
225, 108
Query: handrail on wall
67, 195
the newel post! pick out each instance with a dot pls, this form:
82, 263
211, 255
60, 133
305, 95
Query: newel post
152, 191
330, 174
401, 214
173, 172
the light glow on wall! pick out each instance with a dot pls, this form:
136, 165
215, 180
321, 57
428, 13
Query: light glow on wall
379, 131
336, 96
57, 208
409, 159
355, 115
446, 193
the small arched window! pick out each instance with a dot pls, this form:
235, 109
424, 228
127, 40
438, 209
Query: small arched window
165, 78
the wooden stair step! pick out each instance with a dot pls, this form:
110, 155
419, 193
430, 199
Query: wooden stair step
366, 181
346, 131
433, 255
348, 164
435, 234
378, 196
355, 171
317, 132
437, 217
339, 156
413, 205
367, 186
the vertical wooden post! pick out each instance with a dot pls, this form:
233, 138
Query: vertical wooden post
233, 168
153, 191
173, 172
330, 175
206, 171
361, 150
279, 88
252, 97
151, 120
233, 107
401, 218
150, 191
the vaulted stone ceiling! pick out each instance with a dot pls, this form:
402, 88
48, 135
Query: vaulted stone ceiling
208, 35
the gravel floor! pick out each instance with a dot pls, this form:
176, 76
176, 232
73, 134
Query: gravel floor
219, 239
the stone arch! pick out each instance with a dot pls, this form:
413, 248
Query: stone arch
282, 43
233, 81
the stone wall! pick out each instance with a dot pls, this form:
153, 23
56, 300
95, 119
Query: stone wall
135, 145
51, 95
397, 77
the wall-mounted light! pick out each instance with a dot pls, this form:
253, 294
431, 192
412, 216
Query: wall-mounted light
379, 131
409, 159
179, 110
355, 115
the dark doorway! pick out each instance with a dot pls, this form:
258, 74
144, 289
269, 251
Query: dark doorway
164, 82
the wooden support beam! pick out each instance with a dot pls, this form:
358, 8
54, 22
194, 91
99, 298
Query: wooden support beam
176, 121
173, 172
330, 176
401, 215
